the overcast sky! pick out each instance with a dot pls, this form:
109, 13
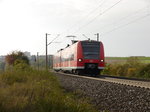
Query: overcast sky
124, 25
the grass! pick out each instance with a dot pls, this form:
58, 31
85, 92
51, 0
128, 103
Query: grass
37, 91
122, 60
133, 67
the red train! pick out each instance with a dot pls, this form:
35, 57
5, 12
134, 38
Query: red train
82, 57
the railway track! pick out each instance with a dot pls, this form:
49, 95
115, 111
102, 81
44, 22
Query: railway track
109, 93
119, 80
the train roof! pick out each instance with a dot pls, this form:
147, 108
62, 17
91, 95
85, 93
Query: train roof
75, 41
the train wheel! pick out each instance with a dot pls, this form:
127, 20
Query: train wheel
78, 72
56, 70
73, 72
97, 72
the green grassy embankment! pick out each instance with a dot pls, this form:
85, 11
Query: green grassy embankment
37, 91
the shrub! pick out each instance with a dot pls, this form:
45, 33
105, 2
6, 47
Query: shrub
37, 91
107, 69
21, 65
15, 55
145, 72
133, 61
132, 68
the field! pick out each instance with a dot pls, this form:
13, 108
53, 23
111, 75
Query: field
136, 67
122, 60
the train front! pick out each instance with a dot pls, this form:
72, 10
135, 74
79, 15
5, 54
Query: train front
90, 56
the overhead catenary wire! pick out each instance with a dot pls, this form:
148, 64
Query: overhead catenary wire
86, 16
103, 13
120, 26
53, 39
86, 36
131, 22
100, 14
124, 18
128, 17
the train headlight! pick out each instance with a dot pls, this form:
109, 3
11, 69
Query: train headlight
102, 60
80, 60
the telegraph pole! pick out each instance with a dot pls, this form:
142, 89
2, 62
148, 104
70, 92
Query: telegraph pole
38, 61
47, 47
46, 52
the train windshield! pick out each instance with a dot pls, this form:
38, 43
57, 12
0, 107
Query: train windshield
91, 50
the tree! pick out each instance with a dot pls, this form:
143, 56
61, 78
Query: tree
16, 57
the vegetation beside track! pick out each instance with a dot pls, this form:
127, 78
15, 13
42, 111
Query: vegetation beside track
131, 67
37, 91
122, 60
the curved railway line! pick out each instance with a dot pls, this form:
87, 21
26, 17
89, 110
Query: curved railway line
119, 80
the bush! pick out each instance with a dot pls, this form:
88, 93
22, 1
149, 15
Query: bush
16, 55
36, 91
107, 69
21, 65
132, 68
145, 72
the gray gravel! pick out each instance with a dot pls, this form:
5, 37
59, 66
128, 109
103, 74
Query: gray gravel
109, 96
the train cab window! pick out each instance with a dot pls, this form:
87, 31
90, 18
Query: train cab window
91, 50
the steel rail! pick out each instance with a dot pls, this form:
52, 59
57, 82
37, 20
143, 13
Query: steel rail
117, 80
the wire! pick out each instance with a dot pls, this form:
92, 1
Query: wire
43, 53
86, 36
85, 17
147, 15
124, 18
100, 14
53, 39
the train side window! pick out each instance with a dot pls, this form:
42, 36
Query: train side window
72, 57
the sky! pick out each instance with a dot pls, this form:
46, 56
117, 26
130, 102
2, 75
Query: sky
123, 25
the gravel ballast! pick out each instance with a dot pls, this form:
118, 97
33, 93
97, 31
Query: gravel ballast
109, 96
